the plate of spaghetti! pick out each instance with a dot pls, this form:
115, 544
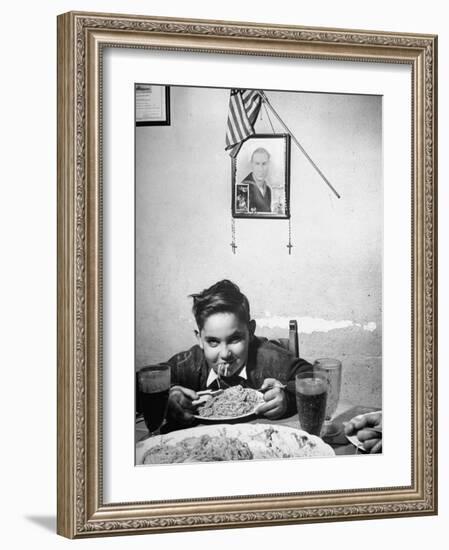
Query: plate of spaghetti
234, 403
228, 442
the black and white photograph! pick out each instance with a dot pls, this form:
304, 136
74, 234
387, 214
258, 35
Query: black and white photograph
262, 163
241, 198
246, 284
258, 328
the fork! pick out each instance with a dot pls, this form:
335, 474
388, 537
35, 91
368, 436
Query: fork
205, 395
281, 386
210, 392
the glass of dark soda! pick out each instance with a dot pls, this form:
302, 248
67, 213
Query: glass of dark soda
153, 385
311, 397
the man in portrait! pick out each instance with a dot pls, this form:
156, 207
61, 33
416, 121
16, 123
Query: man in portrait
259, 190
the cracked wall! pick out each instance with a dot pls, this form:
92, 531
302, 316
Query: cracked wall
332, 281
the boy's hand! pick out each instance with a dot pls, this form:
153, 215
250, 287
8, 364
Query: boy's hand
368, 428
275, 399
180, 408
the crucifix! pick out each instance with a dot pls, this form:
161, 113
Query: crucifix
233, 244
289, 245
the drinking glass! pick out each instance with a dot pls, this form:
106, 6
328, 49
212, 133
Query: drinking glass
332, 369
153, 383
311, 397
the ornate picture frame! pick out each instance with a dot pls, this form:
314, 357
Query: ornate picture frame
82, 41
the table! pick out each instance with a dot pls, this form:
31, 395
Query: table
341, 446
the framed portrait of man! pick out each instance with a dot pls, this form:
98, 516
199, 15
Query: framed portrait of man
261, 177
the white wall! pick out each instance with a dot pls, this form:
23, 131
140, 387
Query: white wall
183, 229
28, 298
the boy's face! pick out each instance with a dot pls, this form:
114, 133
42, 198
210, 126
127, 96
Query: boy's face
225, 339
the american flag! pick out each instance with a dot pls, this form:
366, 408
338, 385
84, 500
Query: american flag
244, 106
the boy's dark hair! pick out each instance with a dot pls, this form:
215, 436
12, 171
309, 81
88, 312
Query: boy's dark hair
222, 297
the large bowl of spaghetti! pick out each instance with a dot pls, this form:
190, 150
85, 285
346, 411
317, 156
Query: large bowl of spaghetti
229, 442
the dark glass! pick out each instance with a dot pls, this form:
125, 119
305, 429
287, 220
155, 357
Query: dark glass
154, 407
153, 384
311, 398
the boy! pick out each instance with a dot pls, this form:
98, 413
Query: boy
228, 351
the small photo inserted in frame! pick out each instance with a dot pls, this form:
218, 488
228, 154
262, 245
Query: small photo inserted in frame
241, 198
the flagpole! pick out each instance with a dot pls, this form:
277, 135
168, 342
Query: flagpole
300, 147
